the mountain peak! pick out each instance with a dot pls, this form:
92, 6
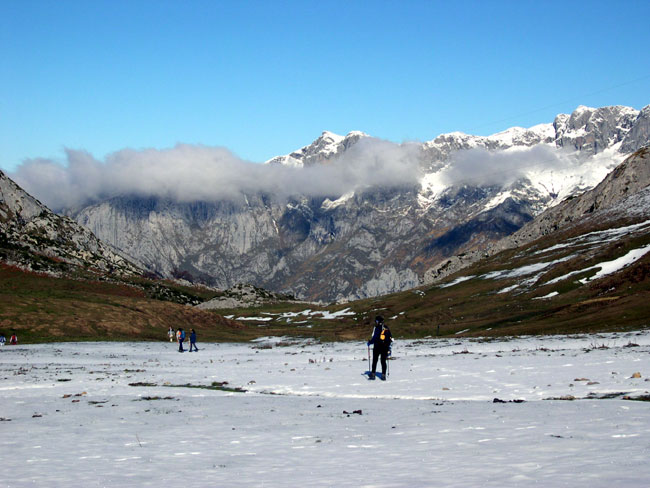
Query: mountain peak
592, 130
325, 147
356, 133
583, 108
330, 137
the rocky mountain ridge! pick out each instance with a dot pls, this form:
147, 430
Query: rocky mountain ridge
243, 296
28, 229
381, 239
326, 147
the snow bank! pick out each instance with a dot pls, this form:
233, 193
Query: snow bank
141, 414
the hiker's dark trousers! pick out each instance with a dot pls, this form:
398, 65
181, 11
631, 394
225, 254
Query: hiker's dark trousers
376, 354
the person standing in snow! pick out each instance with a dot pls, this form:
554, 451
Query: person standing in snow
13, 340
381, 340
193, 341
171, 334
2, 339
180, 336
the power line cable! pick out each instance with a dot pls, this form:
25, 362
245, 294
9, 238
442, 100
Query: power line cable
561, 103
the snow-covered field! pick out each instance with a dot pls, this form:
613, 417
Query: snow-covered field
86, 414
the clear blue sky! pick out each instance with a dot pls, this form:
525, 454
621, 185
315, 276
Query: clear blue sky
263, 78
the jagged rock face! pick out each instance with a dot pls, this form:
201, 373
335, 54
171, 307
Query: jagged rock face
325, 148
368, 242
590, 131
29, 228
168, 236
292, 248
639, 134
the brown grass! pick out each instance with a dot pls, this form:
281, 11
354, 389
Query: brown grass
42, 308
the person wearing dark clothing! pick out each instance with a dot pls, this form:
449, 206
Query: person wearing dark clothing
381, 340
193, 341
180, 336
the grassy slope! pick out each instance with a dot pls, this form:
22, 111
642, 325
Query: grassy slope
42, 308
617, 302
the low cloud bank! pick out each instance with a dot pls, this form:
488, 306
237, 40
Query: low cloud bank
187, 173
200, 173
482, 167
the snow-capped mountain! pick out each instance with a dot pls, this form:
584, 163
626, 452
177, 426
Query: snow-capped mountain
326, 147
592, 131
623, 196
471, 191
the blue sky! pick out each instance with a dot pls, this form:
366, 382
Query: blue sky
263, 78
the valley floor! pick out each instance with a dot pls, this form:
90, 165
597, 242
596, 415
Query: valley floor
142, 414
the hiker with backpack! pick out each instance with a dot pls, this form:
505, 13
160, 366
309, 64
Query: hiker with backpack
381, 340
180, 336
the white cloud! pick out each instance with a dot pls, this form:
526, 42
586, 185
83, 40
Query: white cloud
483, 167
201, 173
195, 173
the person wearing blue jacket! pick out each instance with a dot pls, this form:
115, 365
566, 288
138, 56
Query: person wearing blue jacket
381, 340
193, 341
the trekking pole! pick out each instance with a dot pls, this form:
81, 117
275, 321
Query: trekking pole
387, 367
369, 367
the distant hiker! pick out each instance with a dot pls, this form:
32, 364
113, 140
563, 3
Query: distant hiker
171, 334
180, 336
381, 340
2, 339
13, 340
193, 341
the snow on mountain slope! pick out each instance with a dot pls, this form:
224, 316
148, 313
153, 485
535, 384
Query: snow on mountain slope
440, 148
543, 179
518, 136
623, 196
327, 146
575, 176
583, 147
627, 179
530, 276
